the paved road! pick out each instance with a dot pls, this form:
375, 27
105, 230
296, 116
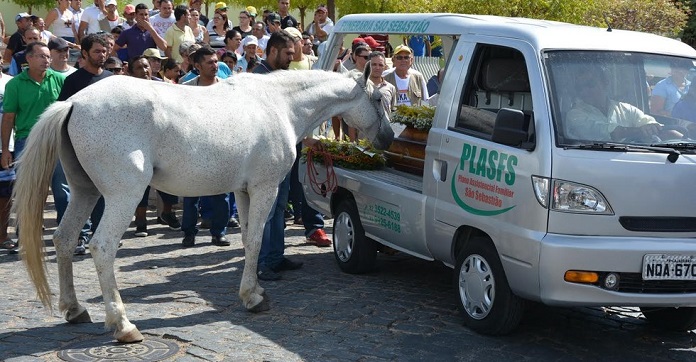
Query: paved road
405, 311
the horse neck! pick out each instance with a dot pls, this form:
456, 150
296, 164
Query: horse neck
317, 99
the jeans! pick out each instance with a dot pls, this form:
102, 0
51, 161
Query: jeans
220, 215
273, 242
311, 219
207, 210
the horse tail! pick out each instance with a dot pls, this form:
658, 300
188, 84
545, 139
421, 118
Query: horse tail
31, 189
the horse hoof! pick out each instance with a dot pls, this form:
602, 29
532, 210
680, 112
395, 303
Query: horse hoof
265, 297
81, 318
263, 306
133, 336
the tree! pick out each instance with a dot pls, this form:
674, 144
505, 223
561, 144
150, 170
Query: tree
32, 5
663, 17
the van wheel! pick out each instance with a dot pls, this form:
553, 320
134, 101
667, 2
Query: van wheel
354, 252
485, 299
672, 319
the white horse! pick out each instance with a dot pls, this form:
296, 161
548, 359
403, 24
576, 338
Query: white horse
121, 134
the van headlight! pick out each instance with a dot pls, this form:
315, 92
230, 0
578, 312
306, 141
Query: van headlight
573, 197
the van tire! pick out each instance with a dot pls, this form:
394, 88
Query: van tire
486, 301
355, 253
671, 319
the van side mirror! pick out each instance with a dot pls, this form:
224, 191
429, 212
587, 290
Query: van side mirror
512, 129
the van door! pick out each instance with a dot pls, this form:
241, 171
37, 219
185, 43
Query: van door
487, 185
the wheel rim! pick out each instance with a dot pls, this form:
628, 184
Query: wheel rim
476, 286
344, 236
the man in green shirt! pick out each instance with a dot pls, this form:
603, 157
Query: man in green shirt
27, 95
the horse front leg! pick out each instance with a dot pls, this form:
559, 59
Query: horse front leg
65, 241
254, 208
103, 247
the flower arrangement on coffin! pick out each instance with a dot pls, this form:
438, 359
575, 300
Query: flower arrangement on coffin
418, 117
359, 155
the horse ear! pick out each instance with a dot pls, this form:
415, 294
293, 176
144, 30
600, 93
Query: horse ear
368, 70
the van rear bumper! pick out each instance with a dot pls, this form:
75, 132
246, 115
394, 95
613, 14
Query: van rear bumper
620, 255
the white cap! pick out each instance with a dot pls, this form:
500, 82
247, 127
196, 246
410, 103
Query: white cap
250, 40
110, 2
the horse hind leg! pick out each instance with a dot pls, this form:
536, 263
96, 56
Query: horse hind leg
82, 201
103, 247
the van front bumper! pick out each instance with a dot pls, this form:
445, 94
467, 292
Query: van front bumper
620, 255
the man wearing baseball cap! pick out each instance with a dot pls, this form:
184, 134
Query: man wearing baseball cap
321, 26
249, 44
129, 14
16, 42
273, 22
410, 84
111, 20
59, 47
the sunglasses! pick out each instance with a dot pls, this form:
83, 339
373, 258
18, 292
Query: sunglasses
366, 57
402, 57
116, 69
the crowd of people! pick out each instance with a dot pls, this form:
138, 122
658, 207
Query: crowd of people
177, 44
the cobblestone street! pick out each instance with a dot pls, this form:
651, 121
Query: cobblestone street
404, 311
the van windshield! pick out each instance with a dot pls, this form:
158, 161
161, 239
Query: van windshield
620, 97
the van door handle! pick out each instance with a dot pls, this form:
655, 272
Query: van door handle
440, 170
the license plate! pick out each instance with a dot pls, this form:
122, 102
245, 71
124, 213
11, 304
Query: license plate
669, 267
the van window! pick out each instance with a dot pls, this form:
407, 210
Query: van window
497, 79
604, 96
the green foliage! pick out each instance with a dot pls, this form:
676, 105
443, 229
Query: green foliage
357, 156
35, 7
663, 17
418, 117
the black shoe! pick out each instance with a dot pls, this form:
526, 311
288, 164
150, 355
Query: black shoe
233, 223
287, 264
81, 248
169, 219
189, 241
288, 215
205, 224
220, 240
141, 231
265, 273
298, 221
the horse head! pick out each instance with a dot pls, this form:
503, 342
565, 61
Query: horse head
371, 117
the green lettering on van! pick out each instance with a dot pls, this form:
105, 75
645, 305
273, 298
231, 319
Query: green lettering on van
383, 26
488, 163
470, 209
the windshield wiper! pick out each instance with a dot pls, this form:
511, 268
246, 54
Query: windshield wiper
676, 145
672, 154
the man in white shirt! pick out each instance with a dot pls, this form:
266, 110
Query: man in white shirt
89, 22
162, 21
259, 31
321, 27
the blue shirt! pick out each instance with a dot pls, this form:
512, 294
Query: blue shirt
685, 109
670, 92
417, 44
137, 40
223, 73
